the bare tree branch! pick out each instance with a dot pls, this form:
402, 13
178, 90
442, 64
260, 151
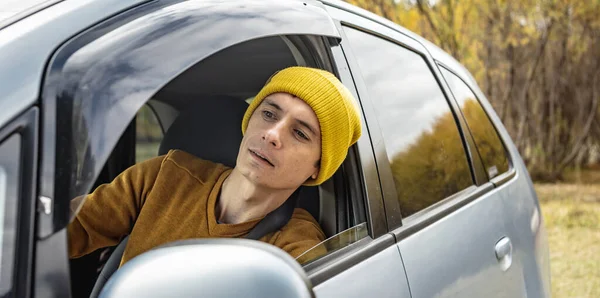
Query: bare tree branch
585, 132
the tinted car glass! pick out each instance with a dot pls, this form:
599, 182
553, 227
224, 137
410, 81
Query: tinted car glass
486, 138
423, 144
335, 242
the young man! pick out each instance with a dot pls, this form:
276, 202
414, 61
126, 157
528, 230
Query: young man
297, 131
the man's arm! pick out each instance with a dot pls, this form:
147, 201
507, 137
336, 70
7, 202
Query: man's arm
108, 213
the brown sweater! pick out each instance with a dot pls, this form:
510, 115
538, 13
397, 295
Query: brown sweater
168, 198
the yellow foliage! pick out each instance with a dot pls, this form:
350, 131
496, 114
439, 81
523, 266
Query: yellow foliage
486, 138
435, 165
432, 168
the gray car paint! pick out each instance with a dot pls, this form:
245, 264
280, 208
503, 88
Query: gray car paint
193, 268
379, 276
26, 46
455, 255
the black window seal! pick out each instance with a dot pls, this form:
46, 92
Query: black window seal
511, 172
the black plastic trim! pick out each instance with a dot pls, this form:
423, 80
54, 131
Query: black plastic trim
430, 215
386, 182
480, 167
478, 170
52, 277
337, 262
375, 209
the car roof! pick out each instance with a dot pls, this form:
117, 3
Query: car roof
27, 45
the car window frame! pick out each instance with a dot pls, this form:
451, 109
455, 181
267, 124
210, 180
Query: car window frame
404, 227
311, 19
361, 156
511, 172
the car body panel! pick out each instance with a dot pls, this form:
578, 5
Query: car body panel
381, 275
455, 255
26, 46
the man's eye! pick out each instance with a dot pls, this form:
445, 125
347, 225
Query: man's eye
268, 115
301, 134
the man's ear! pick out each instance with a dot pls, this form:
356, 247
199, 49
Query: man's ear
316, 173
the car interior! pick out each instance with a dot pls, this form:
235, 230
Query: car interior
200, 112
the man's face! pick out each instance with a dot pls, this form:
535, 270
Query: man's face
282, 144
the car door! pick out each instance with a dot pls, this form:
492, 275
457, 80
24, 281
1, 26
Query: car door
449, 227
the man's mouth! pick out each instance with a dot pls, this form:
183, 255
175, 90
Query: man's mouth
260, 156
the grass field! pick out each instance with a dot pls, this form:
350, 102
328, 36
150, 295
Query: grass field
572, 218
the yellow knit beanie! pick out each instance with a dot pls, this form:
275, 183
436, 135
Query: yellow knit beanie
331, 101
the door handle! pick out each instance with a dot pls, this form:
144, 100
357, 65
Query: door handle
503, 251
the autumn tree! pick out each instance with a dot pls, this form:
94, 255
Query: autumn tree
537, 61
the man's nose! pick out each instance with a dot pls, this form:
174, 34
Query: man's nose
273, 135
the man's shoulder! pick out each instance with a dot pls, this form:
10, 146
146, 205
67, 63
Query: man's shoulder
302, 219
201, 169
303, 215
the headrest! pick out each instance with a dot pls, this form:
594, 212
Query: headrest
209, 128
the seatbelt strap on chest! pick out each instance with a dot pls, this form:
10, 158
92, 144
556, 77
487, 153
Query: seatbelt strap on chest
275, 220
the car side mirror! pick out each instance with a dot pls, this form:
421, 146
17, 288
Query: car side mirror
210, 268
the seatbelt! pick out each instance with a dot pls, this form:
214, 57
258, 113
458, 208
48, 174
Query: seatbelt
275, 220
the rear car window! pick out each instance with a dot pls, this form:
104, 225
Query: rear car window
486, 138
423, 144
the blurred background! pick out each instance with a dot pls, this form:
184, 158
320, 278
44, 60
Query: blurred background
538, 61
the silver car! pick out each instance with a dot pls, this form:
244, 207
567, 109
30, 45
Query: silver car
433, 201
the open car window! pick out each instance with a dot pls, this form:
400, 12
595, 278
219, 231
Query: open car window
333, 243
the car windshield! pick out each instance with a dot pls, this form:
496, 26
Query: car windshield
12, 8
333, 243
